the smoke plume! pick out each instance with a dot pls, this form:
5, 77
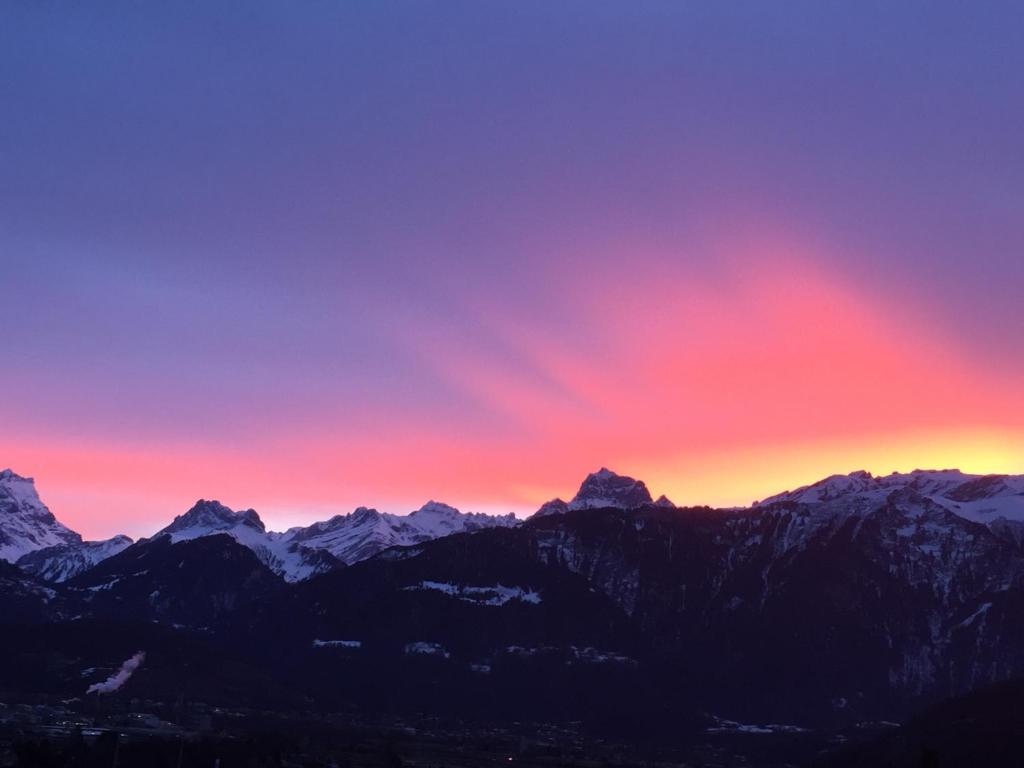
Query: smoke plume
120, 677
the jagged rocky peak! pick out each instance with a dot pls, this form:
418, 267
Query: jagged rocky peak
20, 494
25, 522
605, 488
664, 501
211, 516
361, 515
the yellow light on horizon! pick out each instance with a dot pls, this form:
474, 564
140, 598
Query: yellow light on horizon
739, 476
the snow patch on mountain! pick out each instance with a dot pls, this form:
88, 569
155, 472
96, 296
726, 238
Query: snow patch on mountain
350, 644
496, 595
424, 648
722, 725
571, 654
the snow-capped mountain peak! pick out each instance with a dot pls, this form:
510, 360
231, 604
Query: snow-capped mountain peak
436, 509
207, 517
302, 552
365, 532
980, 498
359, 514
25, 522
605, 488
280, 552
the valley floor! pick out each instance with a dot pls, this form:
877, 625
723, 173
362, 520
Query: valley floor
40, 735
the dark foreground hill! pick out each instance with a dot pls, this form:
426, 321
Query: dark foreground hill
982, 728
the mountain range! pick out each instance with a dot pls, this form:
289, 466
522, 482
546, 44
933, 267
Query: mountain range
32, 537
856, 598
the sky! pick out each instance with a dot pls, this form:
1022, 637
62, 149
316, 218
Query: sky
307, 256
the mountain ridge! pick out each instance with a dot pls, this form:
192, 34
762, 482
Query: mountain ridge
34, 538
854, 598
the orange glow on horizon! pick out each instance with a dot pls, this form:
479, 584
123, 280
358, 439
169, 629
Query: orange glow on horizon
714, 389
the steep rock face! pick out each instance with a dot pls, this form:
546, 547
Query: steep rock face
354, 537
897, 585
66, 561
25, 523
195, 582
604, 489
206, 518
479, 598
886, 593
628, 553
24, 599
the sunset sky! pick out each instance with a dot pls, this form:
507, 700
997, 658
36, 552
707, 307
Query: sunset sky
306, 256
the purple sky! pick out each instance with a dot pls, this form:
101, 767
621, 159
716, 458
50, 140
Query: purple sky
319, 239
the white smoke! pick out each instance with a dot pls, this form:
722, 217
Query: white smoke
120, 677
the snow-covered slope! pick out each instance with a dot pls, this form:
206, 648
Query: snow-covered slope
66, 561
25, 523
981, 498
365, 532
206, 518
605, 489
293, 562
302, 552
33, 538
